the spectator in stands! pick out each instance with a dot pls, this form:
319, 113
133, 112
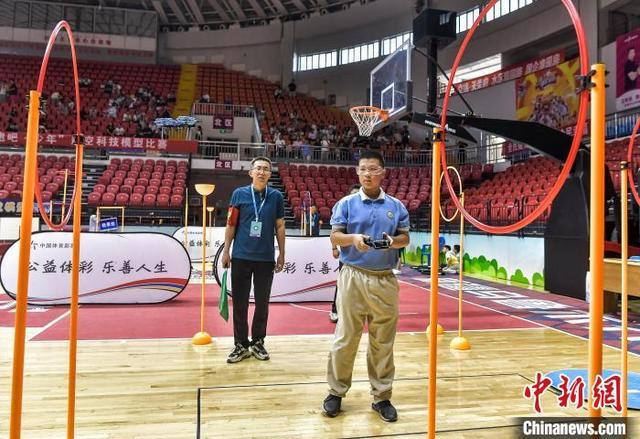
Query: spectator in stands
324, 149
3, 93
314, 221
84, 82
112, 112
119, 131
171, 98
368, 288
12, 126
55, 97
292, 88
107, 87
255, 215
110, 129
12, 92
205, 98
277, 93
280, 145
198, 134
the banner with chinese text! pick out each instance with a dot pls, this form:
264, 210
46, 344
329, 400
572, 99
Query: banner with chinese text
107, 142
628, 70
549, 97
115, 268
308, 275
509, 73
213, 241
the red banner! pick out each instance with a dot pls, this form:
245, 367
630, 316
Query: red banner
107, 142
510, 73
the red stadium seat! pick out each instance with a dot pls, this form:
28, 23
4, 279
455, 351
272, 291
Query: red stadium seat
176, 200
149, 200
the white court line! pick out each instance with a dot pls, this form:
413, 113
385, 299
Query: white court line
50, 324
521, 318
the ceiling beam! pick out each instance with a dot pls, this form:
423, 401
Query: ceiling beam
160, 10
280, 7
177, 12
322, 3
256, 7
237, 9
300, 5
220, 10
195, 10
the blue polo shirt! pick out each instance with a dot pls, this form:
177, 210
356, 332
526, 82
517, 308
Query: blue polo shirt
358, 213
245, 246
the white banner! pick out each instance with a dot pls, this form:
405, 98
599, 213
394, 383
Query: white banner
114, 268
309, 275
213, 241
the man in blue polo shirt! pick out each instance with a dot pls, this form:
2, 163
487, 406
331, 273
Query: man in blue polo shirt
368, 288
256, 215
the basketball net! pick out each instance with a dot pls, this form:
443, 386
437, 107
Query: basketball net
366, 118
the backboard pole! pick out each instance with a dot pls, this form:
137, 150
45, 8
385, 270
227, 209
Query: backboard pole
432, 76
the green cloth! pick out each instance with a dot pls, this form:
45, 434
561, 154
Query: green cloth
223, 303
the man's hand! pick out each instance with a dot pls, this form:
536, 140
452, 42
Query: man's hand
226, 259
336, 253
280, 262
358, 243
388, 238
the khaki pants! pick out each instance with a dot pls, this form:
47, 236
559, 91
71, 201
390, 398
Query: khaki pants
372, 297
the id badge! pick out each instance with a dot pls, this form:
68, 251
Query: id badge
256, 229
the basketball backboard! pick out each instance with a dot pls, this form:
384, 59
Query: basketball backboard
390, 84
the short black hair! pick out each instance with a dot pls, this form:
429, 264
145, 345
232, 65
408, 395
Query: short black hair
446, 246
371, 154
456, 247
261, 159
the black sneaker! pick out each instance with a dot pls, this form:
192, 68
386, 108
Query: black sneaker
238, 353
331, 406
386, 411
258, 350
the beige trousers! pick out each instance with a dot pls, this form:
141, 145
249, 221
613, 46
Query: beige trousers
372, 297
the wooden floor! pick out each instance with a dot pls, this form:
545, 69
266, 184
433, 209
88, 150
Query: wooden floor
152, 388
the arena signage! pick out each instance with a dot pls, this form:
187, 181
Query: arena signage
213, 241
107, 142
509, 74
309, 275
115, 268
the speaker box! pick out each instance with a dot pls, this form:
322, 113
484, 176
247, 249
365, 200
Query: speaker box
434, 24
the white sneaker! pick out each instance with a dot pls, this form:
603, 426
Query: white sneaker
333, 316
395, 271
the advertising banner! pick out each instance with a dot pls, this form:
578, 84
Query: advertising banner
628, 70
108, 142
213, 241
114, 268
549, 96
309, 275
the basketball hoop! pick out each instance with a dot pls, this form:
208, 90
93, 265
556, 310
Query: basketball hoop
366, 117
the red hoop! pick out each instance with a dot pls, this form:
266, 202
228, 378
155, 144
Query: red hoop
77, 186
582, 116
632, 140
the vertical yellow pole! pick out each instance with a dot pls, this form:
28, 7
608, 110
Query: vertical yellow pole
75, 287
204, 259
64, 192
596, 235
30, 163
624, 170
460, 268
433, 297
122, 220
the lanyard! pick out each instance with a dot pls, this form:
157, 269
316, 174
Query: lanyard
253, 196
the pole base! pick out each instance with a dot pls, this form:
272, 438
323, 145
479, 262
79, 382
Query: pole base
439, 329
460, 344
201, 338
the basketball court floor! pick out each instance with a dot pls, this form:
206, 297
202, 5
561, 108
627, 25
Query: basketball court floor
139, 376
